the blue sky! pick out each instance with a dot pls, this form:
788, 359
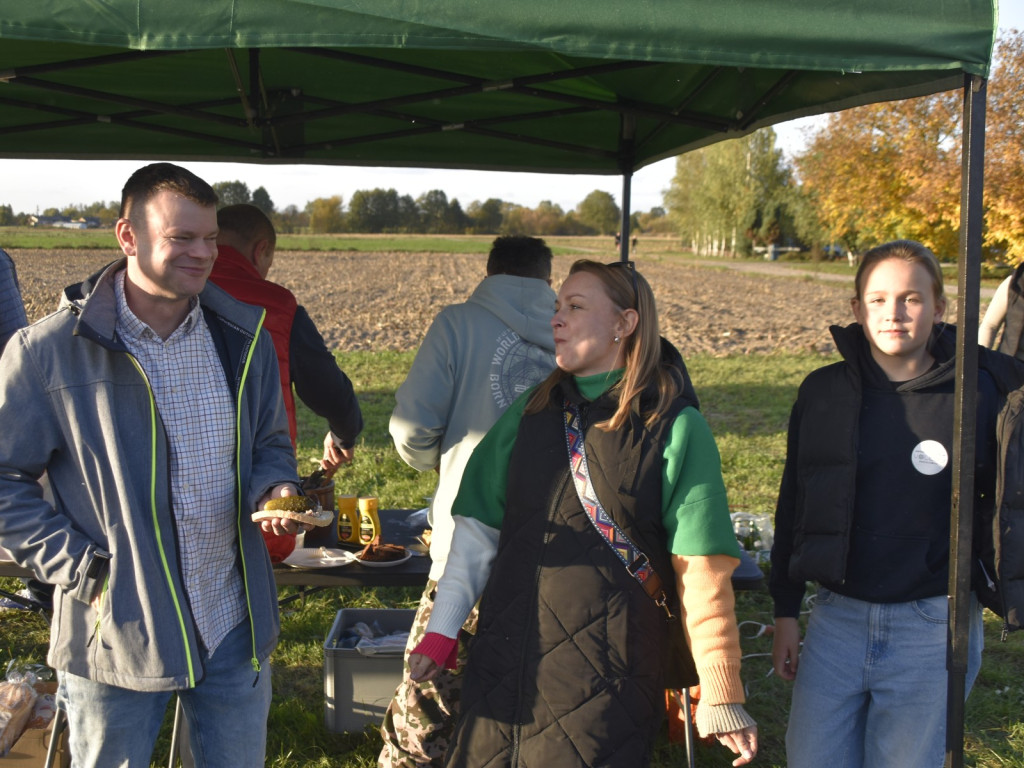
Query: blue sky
31, 185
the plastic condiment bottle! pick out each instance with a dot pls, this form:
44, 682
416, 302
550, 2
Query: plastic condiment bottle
369, 522
348, 519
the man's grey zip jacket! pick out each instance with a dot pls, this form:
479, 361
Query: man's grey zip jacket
76, 404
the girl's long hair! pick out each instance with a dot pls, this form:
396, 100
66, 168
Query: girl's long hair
627, 289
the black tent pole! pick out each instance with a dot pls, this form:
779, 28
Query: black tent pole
626, 158
627, 182
964, 420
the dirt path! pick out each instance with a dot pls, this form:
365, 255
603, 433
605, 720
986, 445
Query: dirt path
387, 300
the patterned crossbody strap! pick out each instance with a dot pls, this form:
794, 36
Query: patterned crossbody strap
635, 561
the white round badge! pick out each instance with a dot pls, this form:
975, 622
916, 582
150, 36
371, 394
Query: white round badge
929, 457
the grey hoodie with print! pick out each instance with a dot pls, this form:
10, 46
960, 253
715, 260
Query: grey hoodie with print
476, 358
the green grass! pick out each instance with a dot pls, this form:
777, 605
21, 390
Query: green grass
746, 400
52, 239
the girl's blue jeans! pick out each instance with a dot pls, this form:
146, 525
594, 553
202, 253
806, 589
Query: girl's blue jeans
227, 714
870, 689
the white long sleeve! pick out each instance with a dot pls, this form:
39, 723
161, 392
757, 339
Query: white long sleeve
465, 575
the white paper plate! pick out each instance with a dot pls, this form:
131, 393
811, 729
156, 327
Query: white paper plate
384, 563
319, 557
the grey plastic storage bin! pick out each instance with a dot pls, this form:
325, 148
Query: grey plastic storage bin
357, 687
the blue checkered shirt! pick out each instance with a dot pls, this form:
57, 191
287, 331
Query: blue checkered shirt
198, 415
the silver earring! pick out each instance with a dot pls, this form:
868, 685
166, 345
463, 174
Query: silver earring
617, 339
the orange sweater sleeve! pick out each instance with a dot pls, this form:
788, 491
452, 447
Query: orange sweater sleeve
709, 617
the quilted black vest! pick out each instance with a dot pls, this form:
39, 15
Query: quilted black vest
570, 661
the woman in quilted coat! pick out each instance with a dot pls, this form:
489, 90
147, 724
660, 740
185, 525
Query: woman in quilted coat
585, 618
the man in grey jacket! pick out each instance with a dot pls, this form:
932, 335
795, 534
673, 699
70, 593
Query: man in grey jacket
152, 401
475, 359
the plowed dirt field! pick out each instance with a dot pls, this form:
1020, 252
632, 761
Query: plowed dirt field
376, 301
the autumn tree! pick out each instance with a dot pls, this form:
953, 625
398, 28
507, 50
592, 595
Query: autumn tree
325, 214
887, 171
1004, 150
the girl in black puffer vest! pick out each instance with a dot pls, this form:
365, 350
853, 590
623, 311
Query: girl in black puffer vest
864, 510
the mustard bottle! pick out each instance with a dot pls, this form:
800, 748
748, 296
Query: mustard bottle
348, 519
369, 521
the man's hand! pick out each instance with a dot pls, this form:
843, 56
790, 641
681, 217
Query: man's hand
334, 455
280, 525
786, 647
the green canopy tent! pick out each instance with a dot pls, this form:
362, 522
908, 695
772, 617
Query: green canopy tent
567, 86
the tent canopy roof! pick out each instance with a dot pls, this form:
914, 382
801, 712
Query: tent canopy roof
589, 86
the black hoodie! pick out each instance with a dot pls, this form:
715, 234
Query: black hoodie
899, 542
856, 511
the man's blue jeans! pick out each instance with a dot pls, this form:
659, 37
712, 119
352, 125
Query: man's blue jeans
227, 714
871, 686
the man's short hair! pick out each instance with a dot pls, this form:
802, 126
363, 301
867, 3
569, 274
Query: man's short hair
154, 178
520, 256
247, 222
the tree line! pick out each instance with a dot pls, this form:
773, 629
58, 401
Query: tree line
868, 175
386, 211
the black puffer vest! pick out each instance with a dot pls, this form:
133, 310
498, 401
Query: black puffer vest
814, 515
569, 664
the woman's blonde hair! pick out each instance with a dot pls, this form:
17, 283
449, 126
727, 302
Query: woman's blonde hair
627, 289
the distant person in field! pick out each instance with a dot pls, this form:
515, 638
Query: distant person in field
475, 360
245, 253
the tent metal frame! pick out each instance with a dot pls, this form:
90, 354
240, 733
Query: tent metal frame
258, 112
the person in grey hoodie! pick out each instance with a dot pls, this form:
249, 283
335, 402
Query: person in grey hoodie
475, 360
152, 401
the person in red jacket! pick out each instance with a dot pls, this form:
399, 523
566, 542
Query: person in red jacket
245, 253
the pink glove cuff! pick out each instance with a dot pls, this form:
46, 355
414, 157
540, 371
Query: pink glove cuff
443, 651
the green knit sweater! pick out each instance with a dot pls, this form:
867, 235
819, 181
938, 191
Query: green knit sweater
695, 510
